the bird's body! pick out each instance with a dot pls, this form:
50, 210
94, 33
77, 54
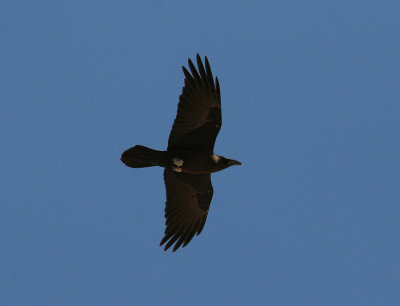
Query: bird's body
196, 162
189, 159
186, 161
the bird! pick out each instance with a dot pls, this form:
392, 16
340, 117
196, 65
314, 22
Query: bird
189, 159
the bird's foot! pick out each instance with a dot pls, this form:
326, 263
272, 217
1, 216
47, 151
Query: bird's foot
177, 162
177, 169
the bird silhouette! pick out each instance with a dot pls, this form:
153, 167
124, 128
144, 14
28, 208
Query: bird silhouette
189, 159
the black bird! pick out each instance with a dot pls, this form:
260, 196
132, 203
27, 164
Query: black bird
189, 159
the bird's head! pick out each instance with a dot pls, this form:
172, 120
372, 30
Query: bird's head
223, 162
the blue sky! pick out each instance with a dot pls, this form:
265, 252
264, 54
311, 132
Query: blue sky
311, 104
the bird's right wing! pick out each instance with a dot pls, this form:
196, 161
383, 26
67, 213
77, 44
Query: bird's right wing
198, 119
188, 200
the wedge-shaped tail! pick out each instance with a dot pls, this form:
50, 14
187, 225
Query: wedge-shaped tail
140, 157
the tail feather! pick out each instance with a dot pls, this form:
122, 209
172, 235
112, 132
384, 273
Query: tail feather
140, 157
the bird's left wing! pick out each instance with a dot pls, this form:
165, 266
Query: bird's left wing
198, 119
188, 199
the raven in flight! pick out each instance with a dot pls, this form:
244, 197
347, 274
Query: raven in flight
189, 159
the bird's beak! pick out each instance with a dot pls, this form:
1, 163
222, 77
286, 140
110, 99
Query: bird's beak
234, 162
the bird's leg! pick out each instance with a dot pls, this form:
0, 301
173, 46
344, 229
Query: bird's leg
177, 169
177, 164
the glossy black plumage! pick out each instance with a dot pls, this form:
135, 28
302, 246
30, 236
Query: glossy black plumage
191, 142
186, 209
198, 119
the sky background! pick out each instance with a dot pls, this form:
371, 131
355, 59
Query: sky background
311, 103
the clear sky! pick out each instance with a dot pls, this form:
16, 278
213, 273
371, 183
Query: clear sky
310, 103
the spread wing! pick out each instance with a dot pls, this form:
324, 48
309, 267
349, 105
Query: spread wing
188, 200
198, 119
